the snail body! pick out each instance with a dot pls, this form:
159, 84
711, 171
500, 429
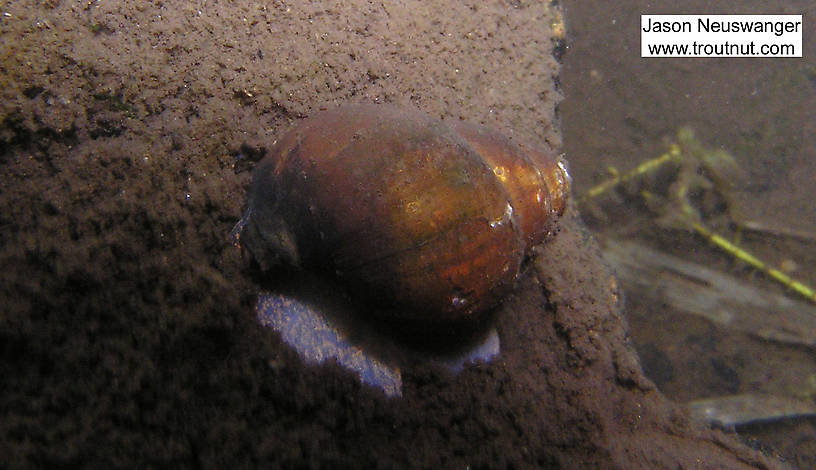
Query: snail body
429, 219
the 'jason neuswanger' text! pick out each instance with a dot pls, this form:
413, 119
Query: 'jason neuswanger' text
707, 25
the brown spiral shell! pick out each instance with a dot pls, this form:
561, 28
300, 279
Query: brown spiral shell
429, 219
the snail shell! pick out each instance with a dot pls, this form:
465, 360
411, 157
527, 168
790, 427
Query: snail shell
429, 219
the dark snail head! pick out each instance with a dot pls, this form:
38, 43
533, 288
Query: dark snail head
429, 219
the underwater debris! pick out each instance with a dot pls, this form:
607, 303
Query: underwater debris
698, 290
699, 169
738, 410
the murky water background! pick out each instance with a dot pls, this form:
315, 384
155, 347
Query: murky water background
622, 110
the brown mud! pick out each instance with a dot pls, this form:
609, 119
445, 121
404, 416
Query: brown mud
127, 334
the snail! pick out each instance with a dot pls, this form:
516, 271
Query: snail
428, 219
